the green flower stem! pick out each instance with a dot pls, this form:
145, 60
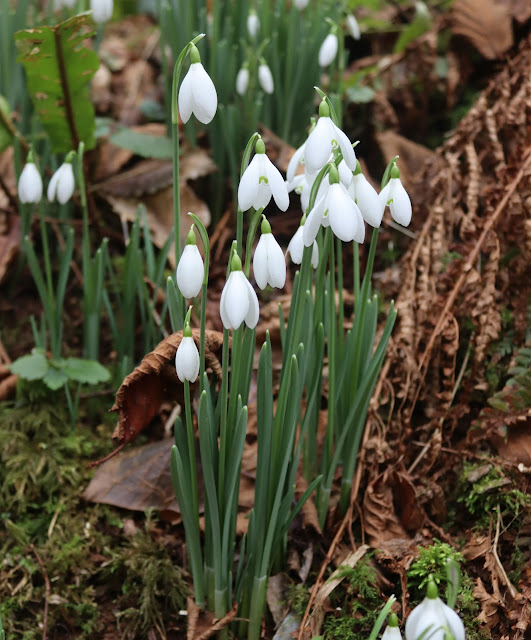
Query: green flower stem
341, 306
223, 421
191, 446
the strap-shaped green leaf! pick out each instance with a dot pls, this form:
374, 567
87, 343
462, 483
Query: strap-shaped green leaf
58, 69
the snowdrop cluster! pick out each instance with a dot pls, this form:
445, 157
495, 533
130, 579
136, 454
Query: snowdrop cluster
345, 199
60, 188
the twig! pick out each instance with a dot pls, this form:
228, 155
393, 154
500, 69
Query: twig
47, 588
219, 625
494, 550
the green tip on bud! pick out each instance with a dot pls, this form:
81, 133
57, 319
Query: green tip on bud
190, 237
30, 157
235, 263
358, 168
395, 173
431, 591
266, 227
187, 332
324, 110
392, 621
70, 157
259, 147
333, 175
194, 54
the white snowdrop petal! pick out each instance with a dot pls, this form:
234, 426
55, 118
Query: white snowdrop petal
253, 311
190, 271
185, 98
318, 146
249, 184
296, 159
52, 186
277, 186
367, 200
311, 226
242, 81
260, 264
237, 300
102, 10
222, 307
359, 236
401, 205
30, 184
328, 50
315, 255
345, 174
296, 246
187, 360
353, 27
265, 78
341, 213
65, 185
204, 93
276, 263
384, 194
346, 147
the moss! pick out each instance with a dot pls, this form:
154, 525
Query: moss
432, 561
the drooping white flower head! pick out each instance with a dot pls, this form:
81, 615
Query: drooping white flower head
366, 198
301, 4
328, 50
62, 183
433, 618
242, 80
269, 265
253, 24
101, 10
30, 182
187, 357
392, 632
239, 301
323, 139
337, 209
190, 270
197, 93
260, 181
265, 78
394, 195
353, 26
296, 247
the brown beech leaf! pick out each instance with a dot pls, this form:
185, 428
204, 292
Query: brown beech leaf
139, 479
153, 382
486, 23
381, 521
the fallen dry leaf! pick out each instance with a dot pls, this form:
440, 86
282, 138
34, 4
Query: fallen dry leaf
138, 479
486, 23
381, 521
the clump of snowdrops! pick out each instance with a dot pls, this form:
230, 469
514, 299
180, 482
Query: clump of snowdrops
337, 202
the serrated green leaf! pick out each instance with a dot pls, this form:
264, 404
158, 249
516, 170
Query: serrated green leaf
55, 378
6, 137
58, 70
31, 367
86, 371
143, 144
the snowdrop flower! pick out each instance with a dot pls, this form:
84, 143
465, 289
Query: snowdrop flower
328, 50
197, 93
260, 181
301, 4
392, 632
345, 174
62, 184
101, 10
433, 618
253, 24
296, 159
190, 270
353, 27
265, 78
242, 80
302, 185
239, 301
296, 247
337, 209
30, 182
394, 195
323, 139
269, 265
187, 357
366, 198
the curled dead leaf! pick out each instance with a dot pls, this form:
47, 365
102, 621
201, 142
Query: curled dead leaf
153, 382
486, 23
